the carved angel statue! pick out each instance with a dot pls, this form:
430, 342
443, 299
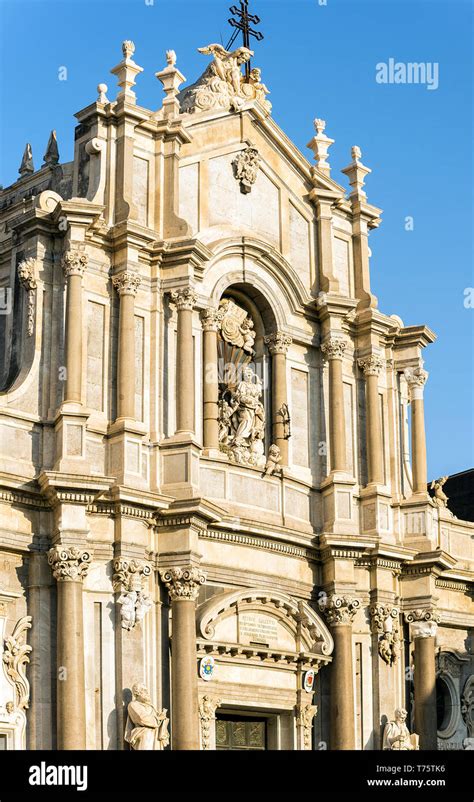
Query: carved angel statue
255, 89
226, 65
273, 460
146, 728
396, 735
440, 497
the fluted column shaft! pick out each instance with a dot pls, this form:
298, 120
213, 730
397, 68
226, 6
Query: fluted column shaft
416, 379
74, 263
70, 566
183, 585
340, 612
372, 365
424, 626
210, 327
278, 344
334, 350
126, 284
185, 300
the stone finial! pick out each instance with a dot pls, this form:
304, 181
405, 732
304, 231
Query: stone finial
102, 90
356, 173
126, 73
320, 145
171, 78
52, 152
27, 166
128, 48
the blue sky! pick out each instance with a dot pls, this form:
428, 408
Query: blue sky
318, 61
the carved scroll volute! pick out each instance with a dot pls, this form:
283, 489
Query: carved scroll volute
15, 657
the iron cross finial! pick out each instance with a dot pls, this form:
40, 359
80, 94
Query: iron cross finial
242, 23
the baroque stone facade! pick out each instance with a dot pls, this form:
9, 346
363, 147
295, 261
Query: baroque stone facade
208, 482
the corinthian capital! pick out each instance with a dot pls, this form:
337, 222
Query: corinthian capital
68, 563
183, 583
416, 377
278, 342
211, 319
184, 299
334, 348
130, 575
127, 283
339, 609
371, 365
74, 262
424, 622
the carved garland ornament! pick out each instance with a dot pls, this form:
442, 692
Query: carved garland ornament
207, 713
27, 276
15, 657
183, 583
128, 580
68, 563
385, 625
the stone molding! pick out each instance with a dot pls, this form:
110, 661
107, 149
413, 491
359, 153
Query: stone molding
339, 610
184, 299
207, 713
334, 348
127, 283
74, 263
183, 583
69, 563
278, 342
371, 365
424, 622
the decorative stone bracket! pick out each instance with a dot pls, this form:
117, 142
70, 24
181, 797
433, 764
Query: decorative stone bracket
27, 276
128, 581
384, 620
207, 714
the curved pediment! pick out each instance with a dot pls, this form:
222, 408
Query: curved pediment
258, 616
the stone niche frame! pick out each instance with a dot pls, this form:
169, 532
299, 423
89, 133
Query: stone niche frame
449, 666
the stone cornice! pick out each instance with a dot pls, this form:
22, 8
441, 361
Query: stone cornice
64, 488
255, 542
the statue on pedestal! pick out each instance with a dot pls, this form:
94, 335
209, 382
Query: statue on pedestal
146, 728
397, 736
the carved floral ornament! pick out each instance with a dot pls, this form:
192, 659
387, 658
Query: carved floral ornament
184, 299
127, 283
384, 619
334, 348
207, 713
183, 584
15, 657
129, 581
27, 275
278, 343
416, 377
339, 610
304, 718
69, 563
74, 262
371, 365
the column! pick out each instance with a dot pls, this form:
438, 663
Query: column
126, 284
185, 300
210, 327
70, 565
423, 630
334, 349
416, 379
74, 263
278, 344
340, 612
372, 365
183, 585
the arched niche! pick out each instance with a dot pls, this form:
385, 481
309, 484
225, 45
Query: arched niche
259, 617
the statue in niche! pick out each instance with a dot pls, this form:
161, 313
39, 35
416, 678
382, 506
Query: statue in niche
242, 421
397, 736
146, 728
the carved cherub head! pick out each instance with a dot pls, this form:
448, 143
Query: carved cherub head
140, 692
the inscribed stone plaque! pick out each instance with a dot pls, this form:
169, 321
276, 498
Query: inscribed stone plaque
256, 628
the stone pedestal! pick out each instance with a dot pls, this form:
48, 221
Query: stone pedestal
183, 585
70, 565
